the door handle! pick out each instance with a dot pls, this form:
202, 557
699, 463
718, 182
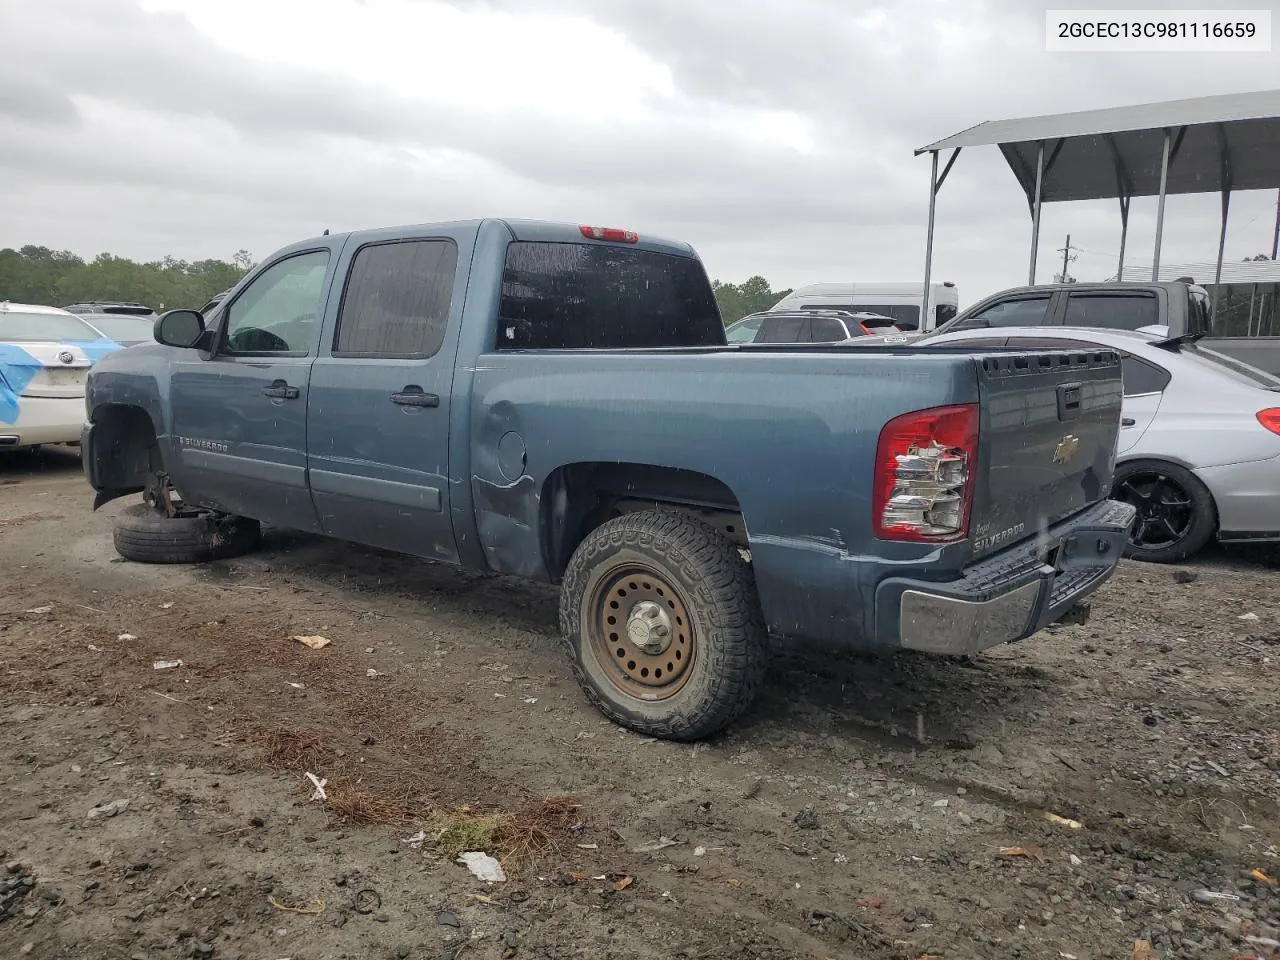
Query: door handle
412, 396
280, 390
1128, 422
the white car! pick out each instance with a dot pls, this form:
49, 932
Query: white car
1199, 447
45, 356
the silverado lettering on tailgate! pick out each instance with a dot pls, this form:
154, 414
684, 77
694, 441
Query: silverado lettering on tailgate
996, 539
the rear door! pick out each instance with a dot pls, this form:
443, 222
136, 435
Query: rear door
1144, 384
239, 418
378, 420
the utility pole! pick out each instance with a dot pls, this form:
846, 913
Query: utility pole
1067, 257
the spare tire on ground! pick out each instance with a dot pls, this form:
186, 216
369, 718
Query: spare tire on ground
145, 535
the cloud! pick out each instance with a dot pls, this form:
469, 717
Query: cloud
776, 136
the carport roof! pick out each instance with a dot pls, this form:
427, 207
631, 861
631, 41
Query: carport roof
1222, 142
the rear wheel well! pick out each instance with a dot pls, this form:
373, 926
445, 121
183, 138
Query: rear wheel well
126, 451
579, 497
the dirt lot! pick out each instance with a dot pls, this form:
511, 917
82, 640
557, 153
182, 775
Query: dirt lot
859, 811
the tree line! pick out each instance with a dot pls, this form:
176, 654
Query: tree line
58, 277
34, 274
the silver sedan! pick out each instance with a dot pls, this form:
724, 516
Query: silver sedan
1199, 448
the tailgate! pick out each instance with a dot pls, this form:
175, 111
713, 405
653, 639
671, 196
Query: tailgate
1047, 440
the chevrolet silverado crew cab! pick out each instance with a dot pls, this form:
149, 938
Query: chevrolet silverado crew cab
560, 402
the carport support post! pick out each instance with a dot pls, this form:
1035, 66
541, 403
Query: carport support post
928, 243
1164, 185
1035, 213
1124, 235
1222, 244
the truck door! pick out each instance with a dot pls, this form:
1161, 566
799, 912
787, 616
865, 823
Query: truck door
238, 418
378, 417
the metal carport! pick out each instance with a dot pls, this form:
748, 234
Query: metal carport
1203, 145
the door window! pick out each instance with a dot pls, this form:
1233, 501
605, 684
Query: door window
397, 300
279, 312
1112, 311
745, 331
784, 329
1026, 312
827, 330
1142, 377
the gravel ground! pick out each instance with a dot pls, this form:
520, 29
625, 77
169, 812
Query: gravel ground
864, 809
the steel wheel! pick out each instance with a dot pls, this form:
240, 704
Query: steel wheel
641, 634
660, 616
1165, 510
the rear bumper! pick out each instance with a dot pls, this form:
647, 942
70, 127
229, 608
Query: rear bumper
44, 420
1010, 595
1247, 496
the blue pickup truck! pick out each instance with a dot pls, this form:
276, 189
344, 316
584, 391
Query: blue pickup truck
560, 402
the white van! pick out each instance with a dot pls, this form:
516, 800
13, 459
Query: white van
901, 301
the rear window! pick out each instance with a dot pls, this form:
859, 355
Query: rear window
1241, 372
1112, 311
1199, 313
576, 296
877, 323
18, 327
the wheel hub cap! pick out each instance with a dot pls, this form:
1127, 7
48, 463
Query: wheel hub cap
649, 628
640, 632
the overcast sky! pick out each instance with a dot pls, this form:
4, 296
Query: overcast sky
775, 135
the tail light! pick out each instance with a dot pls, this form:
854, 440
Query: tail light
923, 486
609, 233
1270, 419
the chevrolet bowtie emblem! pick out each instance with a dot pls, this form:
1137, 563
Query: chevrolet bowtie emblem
1066, 448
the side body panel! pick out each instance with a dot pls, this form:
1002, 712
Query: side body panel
791, 435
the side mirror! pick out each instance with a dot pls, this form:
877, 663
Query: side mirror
179, 328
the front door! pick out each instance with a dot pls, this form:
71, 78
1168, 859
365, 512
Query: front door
378, 419
239, 418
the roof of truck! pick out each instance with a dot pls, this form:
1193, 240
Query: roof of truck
528, 230
1087, 285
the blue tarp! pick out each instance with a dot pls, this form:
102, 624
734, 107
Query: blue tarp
17, 367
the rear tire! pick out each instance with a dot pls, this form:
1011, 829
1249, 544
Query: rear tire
660, 615
1176, 513
145, 535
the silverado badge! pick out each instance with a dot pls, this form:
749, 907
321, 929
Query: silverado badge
1066, 448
